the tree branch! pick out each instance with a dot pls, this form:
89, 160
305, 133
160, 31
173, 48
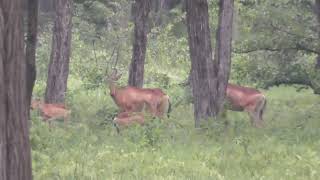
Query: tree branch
300, 36
238, 51
305, 48
298, 47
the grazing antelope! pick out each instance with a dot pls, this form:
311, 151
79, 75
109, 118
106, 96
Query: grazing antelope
246, 99
132, 99
50, 112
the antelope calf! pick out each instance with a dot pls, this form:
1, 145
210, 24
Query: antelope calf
125, 119
128, 118
50, 112
241, 98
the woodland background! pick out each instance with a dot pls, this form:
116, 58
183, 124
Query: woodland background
275, 48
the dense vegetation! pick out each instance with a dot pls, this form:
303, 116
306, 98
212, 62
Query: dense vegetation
89, 147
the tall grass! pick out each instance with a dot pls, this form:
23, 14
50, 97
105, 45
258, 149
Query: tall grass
89, 147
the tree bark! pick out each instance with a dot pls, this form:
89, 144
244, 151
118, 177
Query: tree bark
317, 12
223, 49
15, 153
209, 78
46, 5
202, 68
31, 48
60, 53
141, 8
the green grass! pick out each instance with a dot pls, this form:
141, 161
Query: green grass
89, 147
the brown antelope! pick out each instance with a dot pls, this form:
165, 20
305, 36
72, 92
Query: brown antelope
246, 99
132, 99
50, 112
124, 119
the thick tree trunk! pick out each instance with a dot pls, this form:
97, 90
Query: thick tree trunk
315, 75
141, 8
15, 154
60, 54
317, 66
31, 48
46, 5
223, 49
202, 70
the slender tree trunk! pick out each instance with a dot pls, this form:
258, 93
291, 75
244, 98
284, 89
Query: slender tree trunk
202, 70
317, 11
15, 154
31, 48
60, 54
223, 49
141, 9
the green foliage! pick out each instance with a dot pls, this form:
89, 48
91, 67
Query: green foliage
167, 54
267, 69
43, 53
277, 37
102, 33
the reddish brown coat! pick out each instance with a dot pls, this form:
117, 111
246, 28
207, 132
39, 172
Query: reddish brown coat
247, 99
51, 112
133, 99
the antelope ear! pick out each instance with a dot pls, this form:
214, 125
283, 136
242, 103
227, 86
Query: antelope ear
114, 76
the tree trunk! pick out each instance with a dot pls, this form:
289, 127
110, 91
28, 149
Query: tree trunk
31, 48
60, 53
317, 11
223, 49
46, 5
315, 75
202, 71
15, 154
141, 8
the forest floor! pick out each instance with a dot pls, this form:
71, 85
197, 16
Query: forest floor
90, 148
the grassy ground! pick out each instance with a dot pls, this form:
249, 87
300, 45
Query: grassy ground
89, 147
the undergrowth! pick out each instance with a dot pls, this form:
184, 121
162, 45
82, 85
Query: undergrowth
90, 148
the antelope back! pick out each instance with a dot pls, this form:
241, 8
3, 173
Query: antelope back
55, 111
238, 97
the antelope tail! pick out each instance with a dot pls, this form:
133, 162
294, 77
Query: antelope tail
261, 106
117, 127
165, 105
169, 109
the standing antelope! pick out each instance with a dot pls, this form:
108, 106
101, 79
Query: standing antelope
132, 99
246, 99
50, 112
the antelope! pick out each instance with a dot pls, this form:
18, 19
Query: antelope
132, 99
246, 99
50, 112
124, 119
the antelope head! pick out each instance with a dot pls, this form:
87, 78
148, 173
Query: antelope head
36, 104
112, 79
